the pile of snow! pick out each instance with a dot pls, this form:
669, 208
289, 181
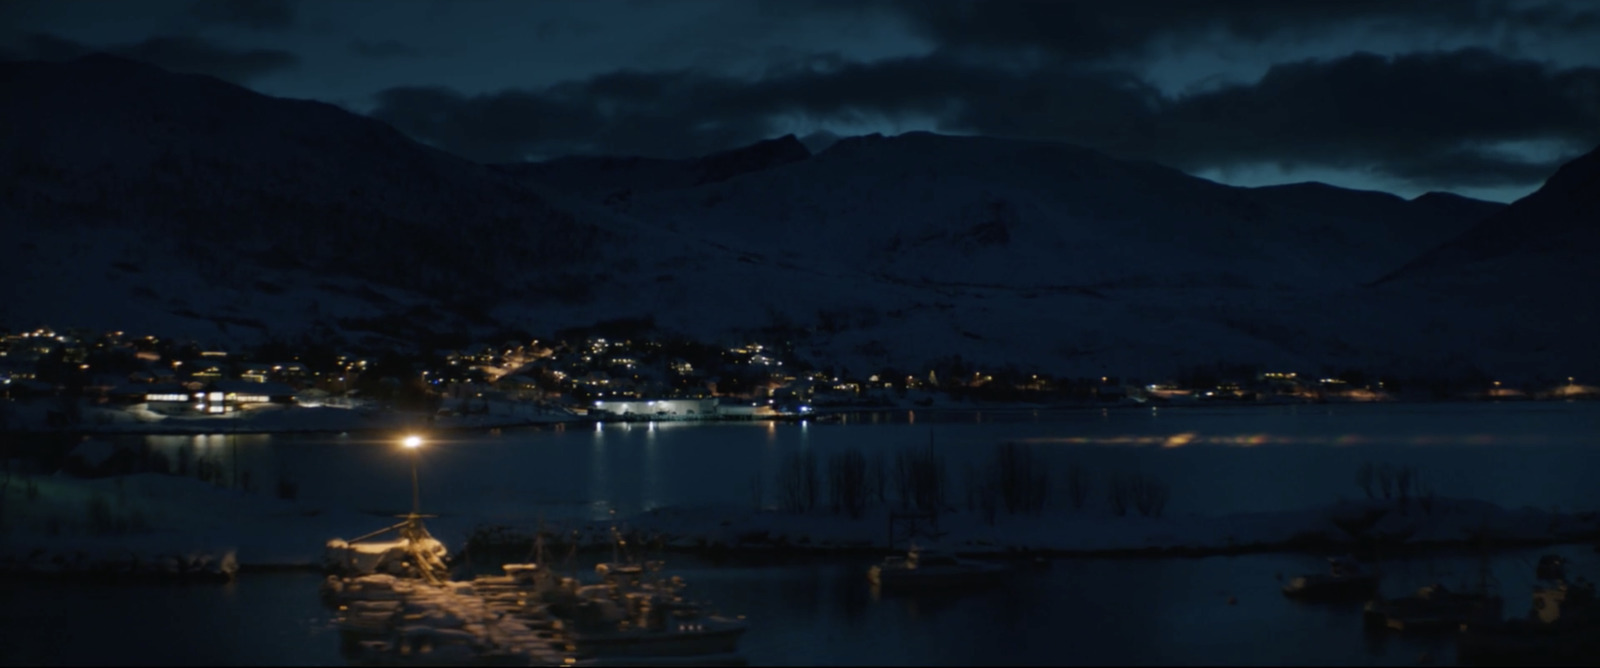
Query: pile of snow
380, 557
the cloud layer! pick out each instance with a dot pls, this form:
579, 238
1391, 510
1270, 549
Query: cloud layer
1399, 94
1432, 119
180, 54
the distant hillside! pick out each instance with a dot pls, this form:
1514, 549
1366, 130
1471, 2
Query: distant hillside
142, 200
1553, 232
930, 209
891, 251
1518, 288
616, 179
231, 175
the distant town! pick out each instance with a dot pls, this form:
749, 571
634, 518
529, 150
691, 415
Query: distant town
586, 374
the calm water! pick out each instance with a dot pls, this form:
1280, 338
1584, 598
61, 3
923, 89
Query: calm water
821, 612
1079, 612
1227, 460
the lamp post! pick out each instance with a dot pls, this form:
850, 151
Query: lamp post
414, 443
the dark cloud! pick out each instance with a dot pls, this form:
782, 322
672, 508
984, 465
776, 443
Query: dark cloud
1431, 119
253, 14
1090, 30
179, 54
384, 49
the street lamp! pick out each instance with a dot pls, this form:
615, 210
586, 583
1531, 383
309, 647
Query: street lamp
414, 443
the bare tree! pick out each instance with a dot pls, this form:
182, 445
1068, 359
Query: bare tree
1118, 494
1364, 479
798, 484
1405, 482
879, 474
1385, 475
1077, 485
1022, 478
848, 488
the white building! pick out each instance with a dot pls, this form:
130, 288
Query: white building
655, 409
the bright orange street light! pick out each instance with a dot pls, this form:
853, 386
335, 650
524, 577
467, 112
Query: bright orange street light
414, 444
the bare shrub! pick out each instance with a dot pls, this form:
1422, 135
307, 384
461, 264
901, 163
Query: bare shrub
287, 488
1077, 485
1364, 479
98, 515
1119, 494
1385, 476
1022, 478
879, 475
920, 479
989, 497
848, 486
758, 496
1149, 495
1405, 481
972, 480
1142, 493
798, 483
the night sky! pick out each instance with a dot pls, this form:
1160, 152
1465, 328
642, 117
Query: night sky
1481, 97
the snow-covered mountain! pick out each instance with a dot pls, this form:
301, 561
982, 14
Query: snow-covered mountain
131, 189
1518, 289
897, 250
932, 209
143, 200
616, 179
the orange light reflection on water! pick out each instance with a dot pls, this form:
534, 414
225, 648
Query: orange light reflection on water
1181, 439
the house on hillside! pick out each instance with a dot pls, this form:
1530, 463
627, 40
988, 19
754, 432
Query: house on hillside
227, 396
746, 409
656, 409
164, 398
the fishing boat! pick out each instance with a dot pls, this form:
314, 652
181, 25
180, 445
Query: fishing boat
1345, 580
1561, 628
1437, 608
636, 614
1433, 608
925, 570
611, 620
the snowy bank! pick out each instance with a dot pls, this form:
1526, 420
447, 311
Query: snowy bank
1342, 526
297, 419
148, 517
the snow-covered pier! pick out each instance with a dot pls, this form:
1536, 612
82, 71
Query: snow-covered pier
387, 620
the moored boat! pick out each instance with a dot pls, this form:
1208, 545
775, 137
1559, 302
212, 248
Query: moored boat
1561, 628
924, 570
1433, 608
1345, 580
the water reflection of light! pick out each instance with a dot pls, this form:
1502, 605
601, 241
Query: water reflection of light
1253, 440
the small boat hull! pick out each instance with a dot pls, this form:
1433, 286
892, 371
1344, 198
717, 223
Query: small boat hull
1332, 588
929, 579
1528, 643
1446, 613
714, 636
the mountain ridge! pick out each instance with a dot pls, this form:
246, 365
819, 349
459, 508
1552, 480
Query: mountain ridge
184, 201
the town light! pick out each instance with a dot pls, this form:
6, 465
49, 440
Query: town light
414, 443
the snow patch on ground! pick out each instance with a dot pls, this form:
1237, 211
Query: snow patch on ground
161, 514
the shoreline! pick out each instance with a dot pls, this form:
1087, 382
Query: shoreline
769, 555
826, 415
